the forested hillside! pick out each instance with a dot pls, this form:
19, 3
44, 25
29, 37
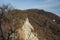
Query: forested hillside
46, 24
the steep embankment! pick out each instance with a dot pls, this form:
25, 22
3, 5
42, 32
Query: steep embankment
42, 25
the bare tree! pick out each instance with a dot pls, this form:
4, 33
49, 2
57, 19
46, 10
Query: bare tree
4, 10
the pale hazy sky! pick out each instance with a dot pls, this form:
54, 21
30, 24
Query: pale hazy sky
47, 5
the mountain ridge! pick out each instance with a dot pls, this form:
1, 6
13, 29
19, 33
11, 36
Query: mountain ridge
45, 24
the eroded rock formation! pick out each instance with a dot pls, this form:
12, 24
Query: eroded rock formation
30, 25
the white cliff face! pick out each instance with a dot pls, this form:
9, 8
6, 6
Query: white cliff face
26, 31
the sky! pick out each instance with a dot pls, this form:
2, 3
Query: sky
47, 5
